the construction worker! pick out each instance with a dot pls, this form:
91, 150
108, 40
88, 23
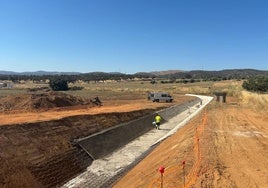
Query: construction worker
157, 121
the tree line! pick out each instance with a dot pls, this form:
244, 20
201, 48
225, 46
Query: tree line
255, 80
256, 84
184, 75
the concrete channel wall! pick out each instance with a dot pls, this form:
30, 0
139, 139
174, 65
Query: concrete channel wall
100, 144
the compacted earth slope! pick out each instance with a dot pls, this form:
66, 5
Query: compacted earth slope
37, 132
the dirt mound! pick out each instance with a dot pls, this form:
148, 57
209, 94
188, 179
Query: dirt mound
39, 101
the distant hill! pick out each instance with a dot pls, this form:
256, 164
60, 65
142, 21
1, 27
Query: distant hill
167, 72
38, 73
227, 74
223, 74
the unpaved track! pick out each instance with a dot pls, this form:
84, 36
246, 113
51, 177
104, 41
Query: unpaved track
239, 138
225, 146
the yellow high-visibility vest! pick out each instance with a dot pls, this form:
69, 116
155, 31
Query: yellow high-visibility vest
157, 119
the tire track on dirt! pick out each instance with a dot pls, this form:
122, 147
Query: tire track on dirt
239, 150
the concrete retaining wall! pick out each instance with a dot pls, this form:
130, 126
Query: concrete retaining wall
105, 142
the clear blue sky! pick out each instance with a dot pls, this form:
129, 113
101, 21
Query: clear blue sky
132, 36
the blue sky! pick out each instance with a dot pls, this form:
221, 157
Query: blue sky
132, 36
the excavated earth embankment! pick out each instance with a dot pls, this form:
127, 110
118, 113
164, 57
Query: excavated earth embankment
37, 148
36, 154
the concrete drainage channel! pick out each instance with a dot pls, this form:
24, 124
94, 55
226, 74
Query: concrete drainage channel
117, 149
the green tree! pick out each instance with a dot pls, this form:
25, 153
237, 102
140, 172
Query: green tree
256, 84
58, 85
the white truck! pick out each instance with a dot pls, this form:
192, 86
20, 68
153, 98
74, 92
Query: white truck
159, 97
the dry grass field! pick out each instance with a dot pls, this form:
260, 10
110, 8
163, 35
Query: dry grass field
125, 89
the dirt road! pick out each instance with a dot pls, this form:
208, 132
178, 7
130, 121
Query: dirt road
225, 146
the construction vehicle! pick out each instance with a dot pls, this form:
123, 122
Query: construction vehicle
96, 101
